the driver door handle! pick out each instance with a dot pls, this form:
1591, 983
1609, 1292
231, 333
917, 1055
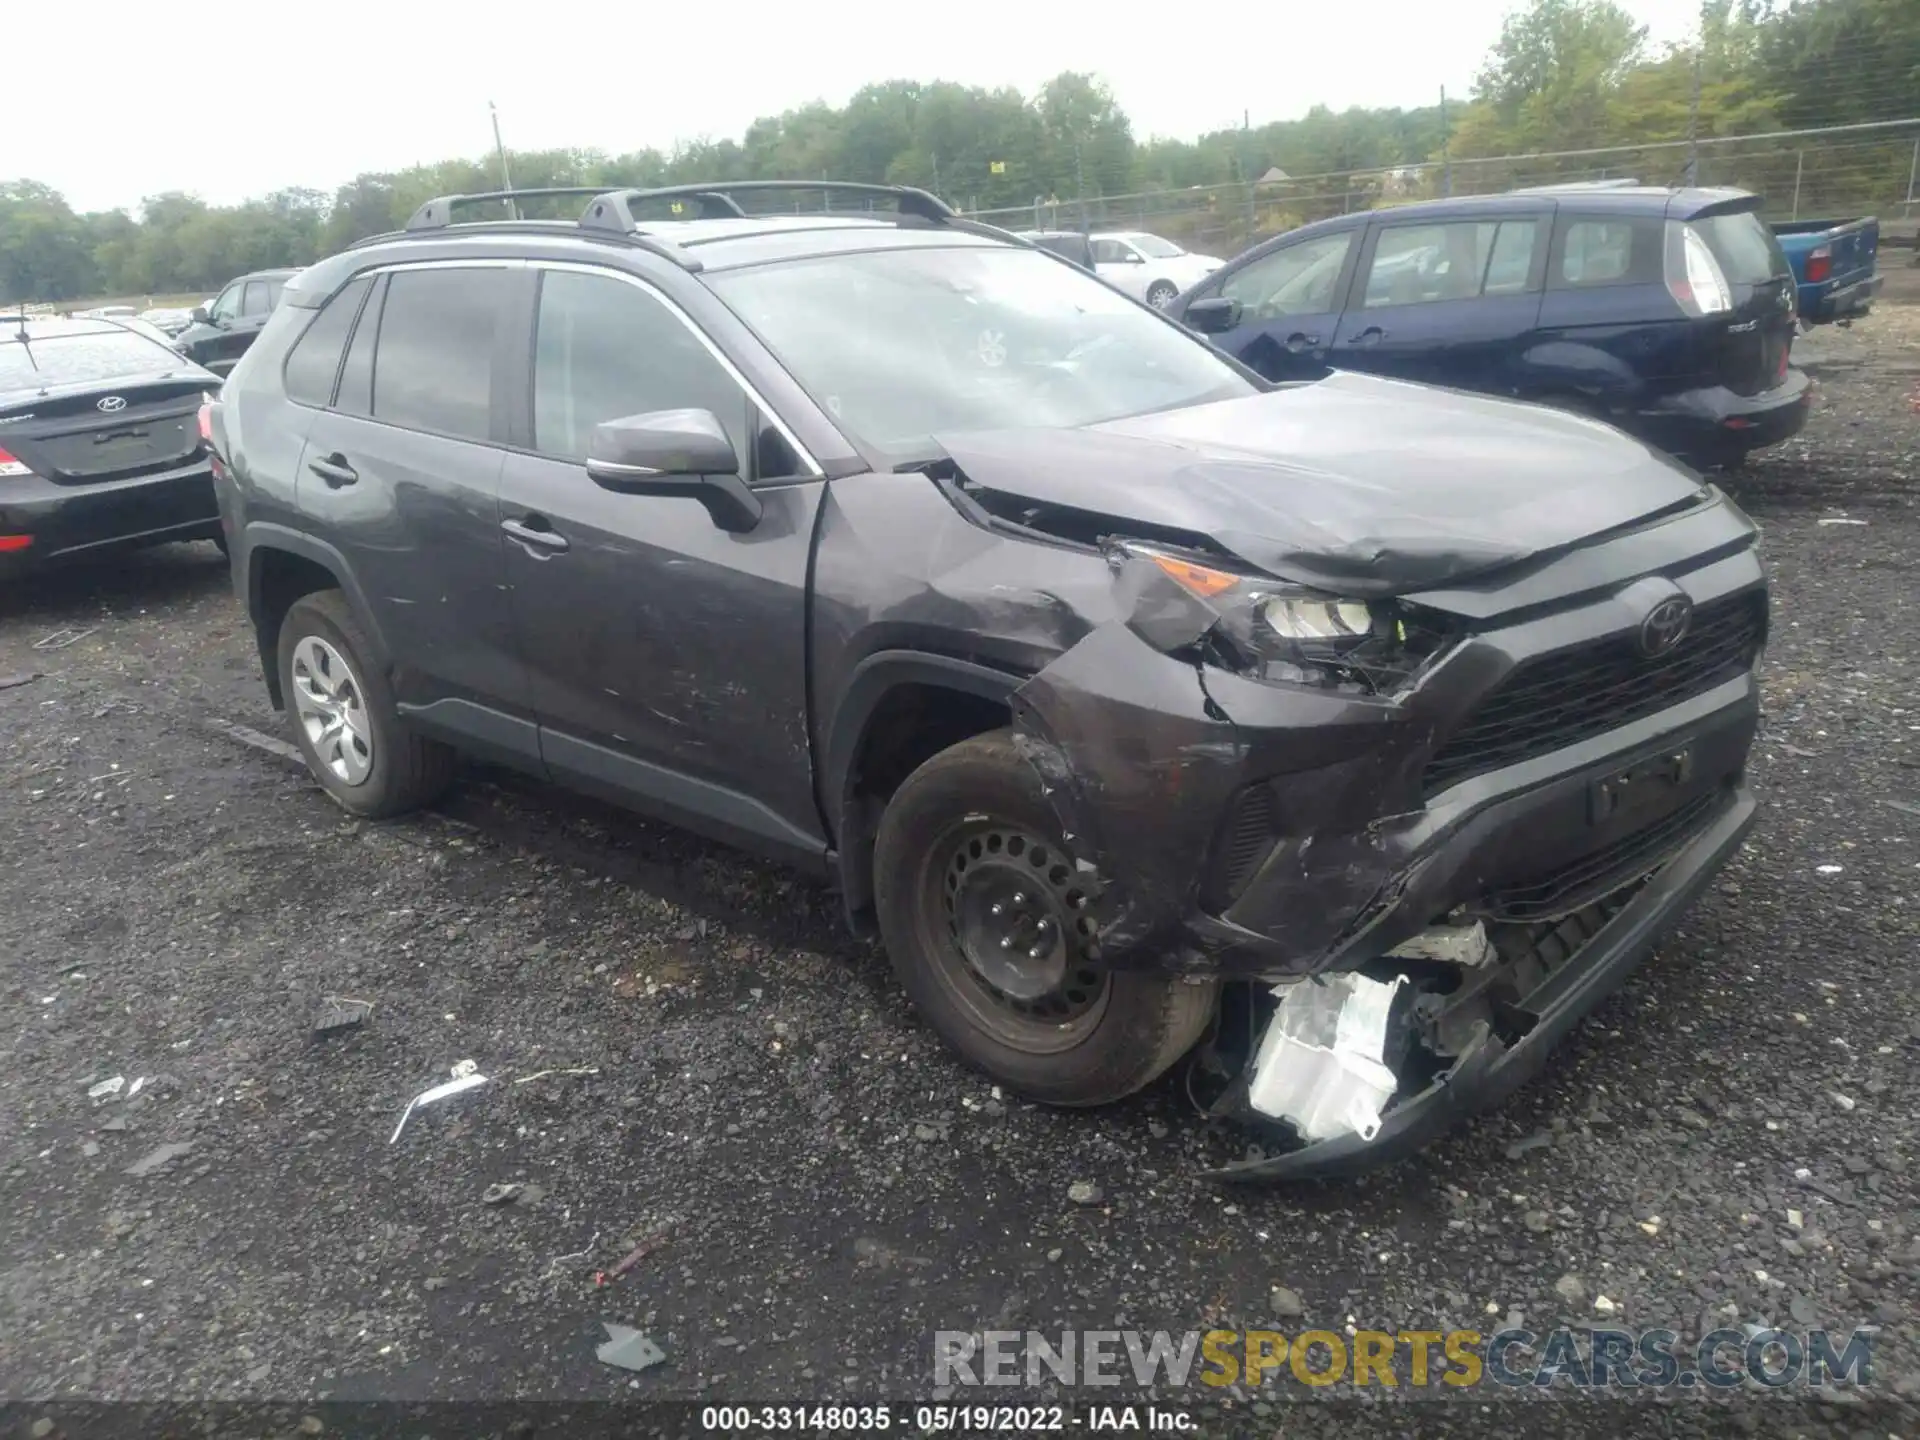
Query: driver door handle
1372, 335
1297, 341
542, 538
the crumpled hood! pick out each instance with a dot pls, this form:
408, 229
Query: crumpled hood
1369, 486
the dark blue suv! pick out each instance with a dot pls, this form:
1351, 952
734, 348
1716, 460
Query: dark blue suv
1669, 313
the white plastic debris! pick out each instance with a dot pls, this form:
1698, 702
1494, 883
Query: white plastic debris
106, 1088
1321, 1065
465, 1077
1838, 520
138, 1084
1827, 869
1449, 944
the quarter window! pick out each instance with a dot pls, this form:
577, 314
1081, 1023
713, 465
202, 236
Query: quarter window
315, 359
604, 350
434, 366
1598, 252
253, 300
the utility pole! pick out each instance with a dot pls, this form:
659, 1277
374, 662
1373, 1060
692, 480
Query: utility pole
1080, 184
1446, 147
1693, 124
936, 172
506, 176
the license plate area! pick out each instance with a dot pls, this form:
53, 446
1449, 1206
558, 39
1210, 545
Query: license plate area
1646, 785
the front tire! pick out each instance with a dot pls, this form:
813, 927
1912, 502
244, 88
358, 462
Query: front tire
987, 923
344, 719
1160, 294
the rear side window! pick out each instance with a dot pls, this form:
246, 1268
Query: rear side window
1417, 264
1595, 252
253, 300
315, 359
433, 370
1747, 252
605, 350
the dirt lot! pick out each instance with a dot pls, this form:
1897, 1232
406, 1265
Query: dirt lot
832, 1186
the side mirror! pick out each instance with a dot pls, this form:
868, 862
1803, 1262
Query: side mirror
198, 315
674, 452
1215, 315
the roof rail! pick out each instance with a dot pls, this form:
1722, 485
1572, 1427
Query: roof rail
1623, 183
613, 210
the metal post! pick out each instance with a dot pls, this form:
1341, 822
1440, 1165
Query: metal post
1080, 184
1693, 125
1799, 163
1446, 147
1913, 172
506, 176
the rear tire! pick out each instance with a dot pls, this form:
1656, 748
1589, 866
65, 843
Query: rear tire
969, 858
1160, 294
343, 715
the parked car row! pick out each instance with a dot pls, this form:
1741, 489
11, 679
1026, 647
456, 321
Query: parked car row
1119, 687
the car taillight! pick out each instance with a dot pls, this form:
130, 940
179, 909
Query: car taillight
1819, 264
11, 466
206, 420
1694, 278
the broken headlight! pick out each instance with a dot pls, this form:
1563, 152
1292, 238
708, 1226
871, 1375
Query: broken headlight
1270, 630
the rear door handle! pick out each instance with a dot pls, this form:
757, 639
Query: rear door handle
1372, 335
1297, 341
543, 538
334, 469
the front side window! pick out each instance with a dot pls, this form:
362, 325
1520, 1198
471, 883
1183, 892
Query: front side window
604, 350
1154, 248
1299, 279
227, 307
903, 345
1112, 252
433, 369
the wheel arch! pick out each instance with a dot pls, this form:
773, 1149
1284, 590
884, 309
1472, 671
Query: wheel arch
284, 564
899, 709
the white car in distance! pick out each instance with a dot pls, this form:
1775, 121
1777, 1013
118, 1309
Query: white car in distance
1148, 267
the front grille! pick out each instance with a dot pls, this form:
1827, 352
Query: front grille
1245, 841
1545, 705
1607, 869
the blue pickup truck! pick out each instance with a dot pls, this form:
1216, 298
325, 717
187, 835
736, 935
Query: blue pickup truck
1833, 266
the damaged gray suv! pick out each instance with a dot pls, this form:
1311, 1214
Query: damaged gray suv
1358, 735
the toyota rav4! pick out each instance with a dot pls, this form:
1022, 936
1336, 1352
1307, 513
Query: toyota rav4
1358, 734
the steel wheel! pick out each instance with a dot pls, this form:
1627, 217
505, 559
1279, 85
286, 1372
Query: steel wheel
1015, 948
332, 708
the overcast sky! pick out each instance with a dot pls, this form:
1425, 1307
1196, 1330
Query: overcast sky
255, 97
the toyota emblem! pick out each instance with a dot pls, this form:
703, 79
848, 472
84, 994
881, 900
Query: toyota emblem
1665, 625
112, 404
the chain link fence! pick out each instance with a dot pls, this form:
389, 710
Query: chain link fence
1804, 174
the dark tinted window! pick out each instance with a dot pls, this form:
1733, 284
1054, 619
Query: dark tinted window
74, 359
606, 349
316, 355
1597, 252
434, 369
356, 376
1745, 247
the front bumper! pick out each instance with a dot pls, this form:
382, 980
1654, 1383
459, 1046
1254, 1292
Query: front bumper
1488, 1069
1714, 421
73, 521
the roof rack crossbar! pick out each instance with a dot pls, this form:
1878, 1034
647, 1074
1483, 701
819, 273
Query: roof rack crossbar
614, 209
437, 213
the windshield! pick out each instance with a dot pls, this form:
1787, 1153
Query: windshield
1154, 248
901, 345
58, 360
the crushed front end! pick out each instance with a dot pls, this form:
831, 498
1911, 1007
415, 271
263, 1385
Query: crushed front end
1461, 808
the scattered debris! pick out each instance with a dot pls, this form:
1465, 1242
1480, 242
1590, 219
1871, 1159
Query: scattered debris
542, 1074
1827, 869
1795, 1219
1450, 944
24, 677
159, 1159
1321, 1065
1539, 1140
628, 1348
465, 1078
1844, 1102
1084, 1192
107, 1089
1838, 520
248, 736
632, 1258
1651, 1225
1570, 1288
1286, 1304
340, 1012
139, 1084
503, 1194
559, 1260
61, 639
1603, 1306
1906, 807
463, 1068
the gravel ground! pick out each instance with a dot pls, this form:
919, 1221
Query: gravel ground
831, 1187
